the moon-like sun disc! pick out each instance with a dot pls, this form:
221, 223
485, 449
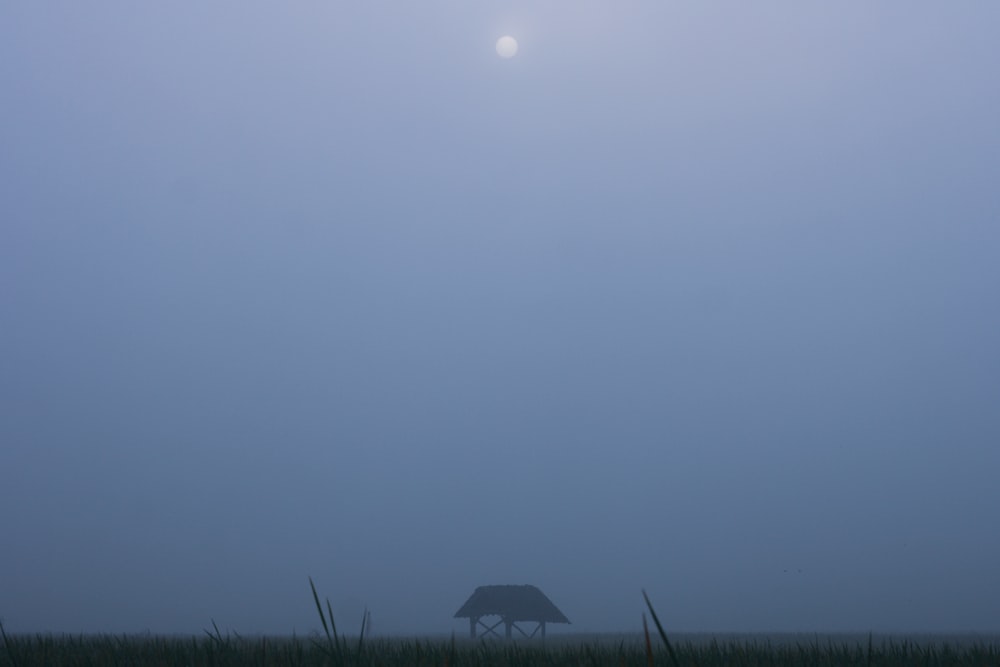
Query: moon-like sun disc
506, 47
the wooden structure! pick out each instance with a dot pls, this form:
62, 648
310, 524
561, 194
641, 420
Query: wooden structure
512, 604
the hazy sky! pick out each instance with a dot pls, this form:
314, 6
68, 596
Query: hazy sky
700, 297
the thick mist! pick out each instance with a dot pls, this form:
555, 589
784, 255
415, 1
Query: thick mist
700, 299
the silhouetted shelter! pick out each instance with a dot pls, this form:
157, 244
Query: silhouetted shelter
512, 604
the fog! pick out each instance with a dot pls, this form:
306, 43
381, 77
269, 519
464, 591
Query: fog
699, 298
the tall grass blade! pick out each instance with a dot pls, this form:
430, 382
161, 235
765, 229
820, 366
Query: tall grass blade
364, 624
649, 644
663, 635
333, 643
333, 626
319, 608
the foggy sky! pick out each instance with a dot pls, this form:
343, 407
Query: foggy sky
693, 297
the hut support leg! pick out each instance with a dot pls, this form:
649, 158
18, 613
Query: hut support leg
507, 626
472, 627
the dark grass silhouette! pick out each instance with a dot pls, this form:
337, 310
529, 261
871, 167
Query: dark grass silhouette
332, 648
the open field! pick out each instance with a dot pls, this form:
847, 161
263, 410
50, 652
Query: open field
568, 650
703, 650
651, 647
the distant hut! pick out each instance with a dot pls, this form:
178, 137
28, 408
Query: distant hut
512, 604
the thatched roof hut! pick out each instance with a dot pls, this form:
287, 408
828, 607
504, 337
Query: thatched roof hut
511, 604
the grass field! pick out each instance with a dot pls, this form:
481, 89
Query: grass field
652, 647
232, 650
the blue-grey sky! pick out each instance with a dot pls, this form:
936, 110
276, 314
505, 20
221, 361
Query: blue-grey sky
700, 297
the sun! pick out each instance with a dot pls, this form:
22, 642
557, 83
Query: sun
506, 47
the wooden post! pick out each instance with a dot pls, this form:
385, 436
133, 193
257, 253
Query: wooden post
472, 626
543, 629
508, 624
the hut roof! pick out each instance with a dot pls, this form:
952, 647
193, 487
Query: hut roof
516, 603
